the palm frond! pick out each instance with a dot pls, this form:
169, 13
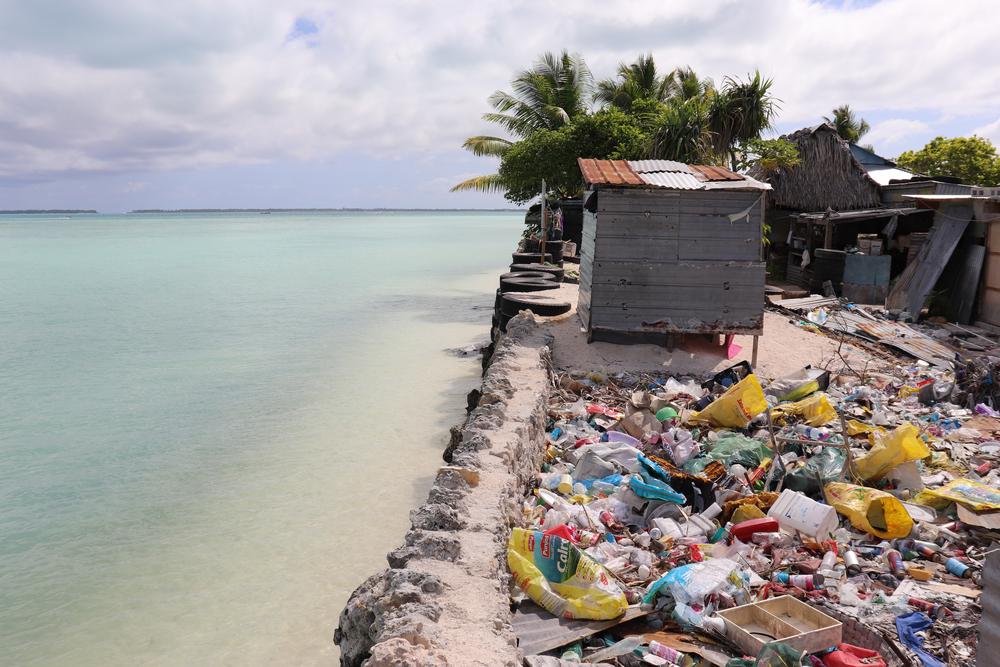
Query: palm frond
487, 183
485, 145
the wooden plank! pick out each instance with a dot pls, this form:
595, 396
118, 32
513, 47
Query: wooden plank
701, 297
684, 321
627, 225
635, 249
637, 201
678, 273
919, 277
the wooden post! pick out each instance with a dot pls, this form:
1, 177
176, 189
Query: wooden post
753, 356
545, 220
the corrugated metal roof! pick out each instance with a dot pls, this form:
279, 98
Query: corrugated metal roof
608, 172
645, 166
882, 175
664, 174
672, 179
712, 173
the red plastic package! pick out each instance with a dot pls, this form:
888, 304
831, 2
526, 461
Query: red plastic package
744, 529
848, 655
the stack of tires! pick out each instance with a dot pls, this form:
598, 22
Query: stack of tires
524, 288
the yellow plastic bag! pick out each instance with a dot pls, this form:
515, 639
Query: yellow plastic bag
855, 427
891, 449
816, 409
870, 510
559, 577
975, 496
736, 407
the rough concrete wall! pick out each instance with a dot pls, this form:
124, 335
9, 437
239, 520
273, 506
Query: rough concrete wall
444, 599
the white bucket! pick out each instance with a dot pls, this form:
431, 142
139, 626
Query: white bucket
797, 512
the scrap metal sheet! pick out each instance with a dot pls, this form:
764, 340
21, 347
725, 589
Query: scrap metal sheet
538, 630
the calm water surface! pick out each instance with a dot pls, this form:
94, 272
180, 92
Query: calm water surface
212, 426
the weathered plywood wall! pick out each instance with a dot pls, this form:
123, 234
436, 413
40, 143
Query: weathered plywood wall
671, 261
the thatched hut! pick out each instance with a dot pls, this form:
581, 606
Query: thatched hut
828, 175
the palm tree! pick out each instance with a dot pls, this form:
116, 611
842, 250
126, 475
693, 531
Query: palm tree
554, 91
687, 85
741, 111
849, 127
638, 81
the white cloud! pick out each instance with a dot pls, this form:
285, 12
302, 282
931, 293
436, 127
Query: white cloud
888, 135
107, 86
990, 131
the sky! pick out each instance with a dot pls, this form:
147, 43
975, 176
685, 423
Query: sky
261, 103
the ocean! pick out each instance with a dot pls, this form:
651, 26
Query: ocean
212, 426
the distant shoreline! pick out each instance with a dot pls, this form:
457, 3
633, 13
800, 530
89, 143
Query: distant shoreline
39, 211
320, 210
44, 211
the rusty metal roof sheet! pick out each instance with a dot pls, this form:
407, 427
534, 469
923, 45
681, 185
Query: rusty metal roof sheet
645, 166
712, 173
672, 179
893, 334
608, 172
664, 174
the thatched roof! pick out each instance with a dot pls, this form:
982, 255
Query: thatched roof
827, 176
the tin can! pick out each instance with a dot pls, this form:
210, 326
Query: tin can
931, 609
807, 582
925, 551
851, 561
957, 568
895, 560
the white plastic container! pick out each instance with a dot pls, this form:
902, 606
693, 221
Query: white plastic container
797, 512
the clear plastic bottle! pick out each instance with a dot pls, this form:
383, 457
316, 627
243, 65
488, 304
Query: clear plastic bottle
622, 647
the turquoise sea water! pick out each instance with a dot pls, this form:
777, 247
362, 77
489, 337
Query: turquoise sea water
212, 426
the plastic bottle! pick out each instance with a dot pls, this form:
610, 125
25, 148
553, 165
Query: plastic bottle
664, 651
622, 647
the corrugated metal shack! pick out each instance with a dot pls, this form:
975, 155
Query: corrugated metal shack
670, 248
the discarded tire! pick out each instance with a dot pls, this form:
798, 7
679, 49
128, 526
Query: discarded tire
530, 257
539, 304
557, 273
526, 274
527, 284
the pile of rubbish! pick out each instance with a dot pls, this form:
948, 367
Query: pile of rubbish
816, 519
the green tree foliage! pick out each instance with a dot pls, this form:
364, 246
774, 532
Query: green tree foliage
552, 154
677, 116
849, 126
973, 160
549, 95
770, 155
638, 81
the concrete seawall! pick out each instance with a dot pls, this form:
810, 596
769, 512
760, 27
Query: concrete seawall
444, 600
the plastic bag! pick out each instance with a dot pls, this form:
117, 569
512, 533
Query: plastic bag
777, 654
799, 384
693, 582
680, 444
736, 407
870, 510
900, 445
559, 577
733, 448
816, 410
975, 496
818, 471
